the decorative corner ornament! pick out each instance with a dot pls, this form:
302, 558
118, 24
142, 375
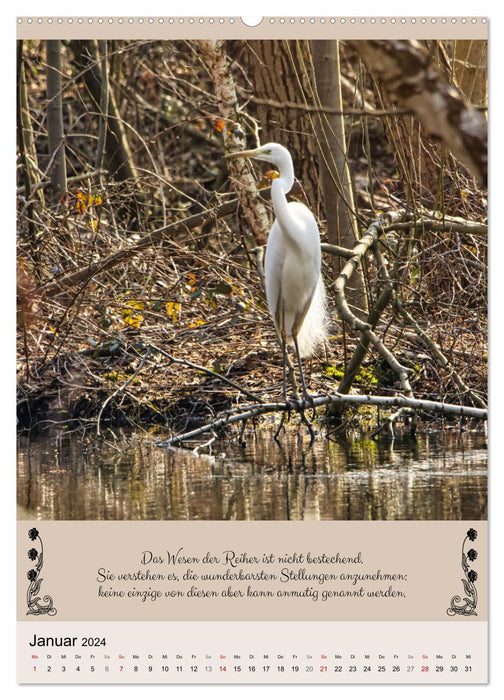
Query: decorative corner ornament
32, 597
468, 607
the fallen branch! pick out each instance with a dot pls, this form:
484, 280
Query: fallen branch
447, 225
246, 412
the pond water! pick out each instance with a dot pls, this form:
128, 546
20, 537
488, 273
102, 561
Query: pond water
438, 476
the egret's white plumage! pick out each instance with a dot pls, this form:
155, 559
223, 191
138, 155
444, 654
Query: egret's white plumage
294, 287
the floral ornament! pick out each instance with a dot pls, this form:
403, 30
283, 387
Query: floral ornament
468, 607
472, 554
472, 534
32, 597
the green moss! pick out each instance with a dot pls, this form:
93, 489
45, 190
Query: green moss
333, 372
115, 376
365, 376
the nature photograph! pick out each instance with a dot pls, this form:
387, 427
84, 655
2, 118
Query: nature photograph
251, 279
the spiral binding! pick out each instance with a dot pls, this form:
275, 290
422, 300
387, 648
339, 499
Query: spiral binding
216, 21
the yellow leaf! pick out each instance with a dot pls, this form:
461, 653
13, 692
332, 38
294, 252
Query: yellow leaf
130, 314
173, 310
135, 304
132, 319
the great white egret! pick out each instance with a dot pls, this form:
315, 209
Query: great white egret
294, 287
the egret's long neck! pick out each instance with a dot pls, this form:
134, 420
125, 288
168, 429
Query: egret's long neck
279, 188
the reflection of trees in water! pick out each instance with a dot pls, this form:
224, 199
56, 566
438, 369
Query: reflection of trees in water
434, 478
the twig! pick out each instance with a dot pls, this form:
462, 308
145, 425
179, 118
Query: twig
104, 92
305, 420
208, 444
71, 180
389, 422
460, 226
280, 426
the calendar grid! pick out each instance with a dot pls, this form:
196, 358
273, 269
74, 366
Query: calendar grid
244, 652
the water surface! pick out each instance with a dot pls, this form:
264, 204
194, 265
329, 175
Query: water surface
440, 476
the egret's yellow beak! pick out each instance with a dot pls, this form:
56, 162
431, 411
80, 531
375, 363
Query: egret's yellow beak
243, 154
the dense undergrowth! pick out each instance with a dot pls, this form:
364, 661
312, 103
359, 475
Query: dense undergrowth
131, 344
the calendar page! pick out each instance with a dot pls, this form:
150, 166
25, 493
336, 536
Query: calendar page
252, 350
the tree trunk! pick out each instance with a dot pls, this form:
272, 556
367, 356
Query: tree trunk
278, 72
55, 133
104, 100
242, 180
119, 160
335, 178
471, 71
27, 152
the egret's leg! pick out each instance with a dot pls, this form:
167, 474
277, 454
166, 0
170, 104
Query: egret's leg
286, 361
306, 395
288, 366
284, 369
292, 378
